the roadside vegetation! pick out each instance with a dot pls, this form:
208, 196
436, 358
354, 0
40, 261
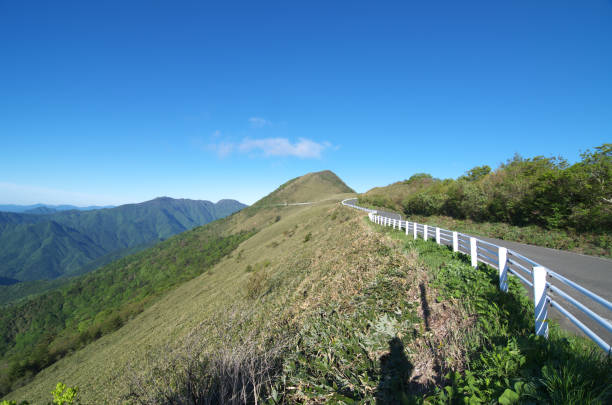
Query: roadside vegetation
543, 201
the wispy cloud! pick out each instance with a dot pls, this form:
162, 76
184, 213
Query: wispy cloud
258, 122
271, 147
303, 148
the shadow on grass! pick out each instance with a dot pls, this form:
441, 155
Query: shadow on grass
425, 305
395, 370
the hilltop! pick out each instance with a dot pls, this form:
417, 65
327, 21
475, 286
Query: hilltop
311, 187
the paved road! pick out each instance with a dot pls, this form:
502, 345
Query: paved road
593, 273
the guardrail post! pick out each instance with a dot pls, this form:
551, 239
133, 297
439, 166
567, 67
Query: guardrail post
502, 263
424, 232
414, 230
455, 242
474, 252
437, 235
406, 228
539, 300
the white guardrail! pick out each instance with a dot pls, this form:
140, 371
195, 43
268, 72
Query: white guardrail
507, 261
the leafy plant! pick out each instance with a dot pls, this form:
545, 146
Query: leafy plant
64, 395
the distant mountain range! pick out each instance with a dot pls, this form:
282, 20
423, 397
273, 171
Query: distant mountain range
47, 244
47, 208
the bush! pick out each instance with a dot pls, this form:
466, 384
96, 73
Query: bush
547, 192
257, 284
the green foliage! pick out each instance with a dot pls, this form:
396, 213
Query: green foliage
507, 362
38, 332
539, 191
337, 356
63, 395
69, 243
307, 237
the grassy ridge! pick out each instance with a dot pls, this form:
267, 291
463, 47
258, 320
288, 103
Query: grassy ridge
278, 254
38, 332
308, 188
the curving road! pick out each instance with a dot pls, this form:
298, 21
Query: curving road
593, 273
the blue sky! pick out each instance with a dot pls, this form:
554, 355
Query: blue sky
117, 102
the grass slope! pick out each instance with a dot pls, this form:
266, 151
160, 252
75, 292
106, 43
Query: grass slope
85, 322
206, 300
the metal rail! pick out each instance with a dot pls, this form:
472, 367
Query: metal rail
502, 260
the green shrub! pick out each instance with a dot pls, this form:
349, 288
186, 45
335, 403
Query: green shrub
541, 191
64, 395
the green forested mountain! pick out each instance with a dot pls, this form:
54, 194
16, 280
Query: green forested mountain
67, 243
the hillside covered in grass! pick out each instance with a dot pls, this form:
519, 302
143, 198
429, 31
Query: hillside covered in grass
319, 305
538, 200
311, 187
42, 331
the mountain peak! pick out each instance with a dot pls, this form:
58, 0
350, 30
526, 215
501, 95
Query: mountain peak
310, 187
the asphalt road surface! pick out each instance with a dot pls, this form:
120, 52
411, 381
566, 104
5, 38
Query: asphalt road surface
592, 273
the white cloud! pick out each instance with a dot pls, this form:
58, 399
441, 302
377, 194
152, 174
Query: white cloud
258, 122
303, 148
269, 147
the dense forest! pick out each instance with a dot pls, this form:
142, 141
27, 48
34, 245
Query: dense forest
71, 243
548, 192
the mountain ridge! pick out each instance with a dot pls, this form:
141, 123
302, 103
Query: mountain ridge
36, 247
